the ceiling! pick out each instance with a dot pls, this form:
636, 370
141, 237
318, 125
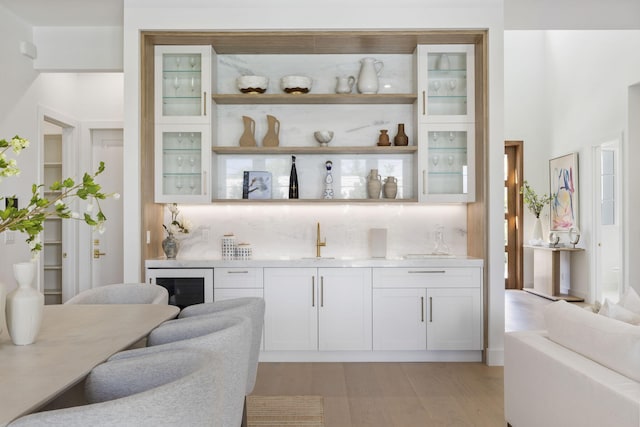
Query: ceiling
67, 13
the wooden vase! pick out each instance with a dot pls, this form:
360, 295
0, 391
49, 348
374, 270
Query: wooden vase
271, 139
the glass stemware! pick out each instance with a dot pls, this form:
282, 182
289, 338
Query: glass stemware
436, 87
192, 162
176, 84
435, 159
192, 184
179, 184
192, 61
452, 86
178, 62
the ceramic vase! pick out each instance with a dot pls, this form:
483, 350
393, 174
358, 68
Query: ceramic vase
390, 187
383, 139
536, 232
344, 84
271, 138
374, 185
328, 192
368, 78
170, 246
248, 138
24, 306
401, 138
3, 299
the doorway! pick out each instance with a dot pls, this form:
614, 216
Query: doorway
513, 258
608, 208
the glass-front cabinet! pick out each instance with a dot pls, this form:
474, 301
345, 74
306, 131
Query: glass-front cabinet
446, 162
183, 84
182, 163
446, 87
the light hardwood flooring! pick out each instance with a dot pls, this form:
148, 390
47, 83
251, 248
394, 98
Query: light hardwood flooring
406, 394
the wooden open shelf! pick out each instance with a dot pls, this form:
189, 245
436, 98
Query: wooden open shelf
409, 149
314, 98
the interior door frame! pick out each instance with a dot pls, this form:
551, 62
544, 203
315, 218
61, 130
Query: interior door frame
517, 240
85, 240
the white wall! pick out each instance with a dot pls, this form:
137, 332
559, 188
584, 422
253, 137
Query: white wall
141, 14
584, 80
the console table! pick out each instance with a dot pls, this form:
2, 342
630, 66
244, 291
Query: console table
73, 340
552, 272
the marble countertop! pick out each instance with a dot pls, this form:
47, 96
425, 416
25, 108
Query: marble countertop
414, 261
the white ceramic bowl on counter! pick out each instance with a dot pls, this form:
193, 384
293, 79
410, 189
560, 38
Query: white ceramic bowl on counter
252, 84
295, 84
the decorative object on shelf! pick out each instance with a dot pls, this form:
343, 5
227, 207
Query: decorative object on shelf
3, 300
293, 180
256, 185
24, 306
345, 84
323, 137
30, 219
401, 138
248, 138
170, 245
444, 63
252, 84
295, 85
390, 187
554, 239
574, 236
370, 69
563, 181
328, 181
440, 247
535, 204
374, 184
271, 138
383, 138
228, 246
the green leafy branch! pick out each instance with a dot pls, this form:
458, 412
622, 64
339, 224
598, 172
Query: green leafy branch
534, 202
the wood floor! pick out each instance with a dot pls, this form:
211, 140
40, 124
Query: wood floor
406, 394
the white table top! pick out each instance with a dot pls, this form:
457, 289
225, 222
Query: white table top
73, 340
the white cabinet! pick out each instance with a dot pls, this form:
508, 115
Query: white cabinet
446, 84
237, 283
427, 309
183, 124
447, 163
311, 309
182, 163
183, 77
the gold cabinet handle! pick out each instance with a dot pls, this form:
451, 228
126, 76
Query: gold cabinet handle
422, 309
313, 291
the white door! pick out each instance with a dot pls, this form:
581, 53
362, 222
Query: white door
344, 316
107, 254
291, 313
454, 320
608, 221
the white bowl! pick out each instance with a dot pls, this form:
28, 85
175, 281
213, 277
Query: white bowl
295, 84
323, 137
252, 84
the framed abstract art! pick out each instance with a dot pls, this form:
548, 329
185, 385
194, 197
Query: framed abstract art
563, 181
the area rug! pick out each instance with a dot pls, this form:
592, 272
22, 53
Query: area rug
285, 411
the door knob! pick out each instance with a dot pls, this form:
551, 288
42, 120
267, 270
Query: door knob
97, 253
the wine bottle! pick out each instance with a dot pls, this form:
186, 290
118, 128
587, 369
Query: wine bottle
293, 180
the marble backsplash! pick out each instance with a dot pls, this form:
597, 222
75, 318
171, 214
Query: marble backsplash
288, 231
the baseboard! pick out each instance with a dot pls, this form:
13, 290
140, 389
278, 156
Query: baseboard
495, 356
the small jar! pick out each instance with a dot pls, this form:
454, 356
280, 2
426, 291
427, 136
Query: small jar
228, 246
243, 252
383, 139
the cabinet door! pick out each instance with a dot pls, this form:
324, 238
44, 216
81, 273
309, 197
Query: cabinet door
182, 163
345, 309
447, 163
454, 319
399, 319
291, 314
446, 85
183, 84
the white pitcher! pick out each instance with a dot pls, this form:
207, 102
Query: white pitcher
368, 78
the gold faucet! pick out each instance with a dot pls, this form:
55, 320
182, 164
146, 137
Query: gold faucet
319, 244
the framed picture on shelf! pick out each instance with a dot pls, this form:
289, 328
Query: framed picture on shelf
256, 185
563, 181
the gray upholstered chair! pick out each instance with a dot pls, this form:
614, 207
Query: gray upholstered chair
169, 388
250, 307
226, 336
123, 293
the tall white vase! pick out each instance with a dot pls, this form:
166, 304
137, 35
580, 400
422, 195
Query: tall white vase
536, 232
3, 299
24, 306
